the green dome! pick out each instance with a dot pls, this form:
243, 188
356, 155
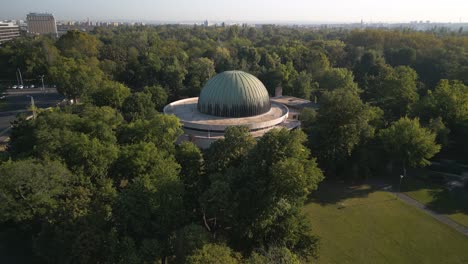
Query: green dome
234, 94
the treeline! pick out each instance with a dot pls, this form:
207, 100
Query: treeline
102, 181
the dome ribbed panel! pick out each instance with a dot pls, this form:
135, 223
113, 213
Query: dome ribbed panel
234, 94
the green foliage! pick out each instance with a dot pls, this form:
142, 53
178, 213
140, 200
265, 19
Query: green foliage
248, 200
302, 86
162, 130
409, 143
77, 44
142, 159
199, 71
31, 189
158, 96
139, 105
343, 122
137, 198
32, 56
280, 255
438, 127
449, 100
110, 93
149, 210
214, 254
229, 151
190, 159
337, 78
76, 78
84, 141
188, 239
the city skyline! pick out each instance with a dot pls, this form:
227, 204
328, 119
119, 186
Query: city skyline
298, 11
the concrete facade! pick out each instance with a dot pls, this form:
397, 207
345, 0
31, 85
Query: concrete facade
203, 129
41, 23
8, 31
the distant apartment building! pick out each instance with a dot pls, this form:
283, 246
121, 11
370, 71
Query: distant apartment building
8, 31
41, 23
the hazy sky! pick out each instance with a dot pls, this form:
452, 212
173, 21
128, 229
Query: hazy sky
243, 10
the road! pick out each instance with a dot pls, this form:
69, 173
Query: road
17, 101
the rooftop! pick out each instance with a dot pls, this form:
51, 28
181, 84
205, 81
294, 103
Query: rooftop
234, 94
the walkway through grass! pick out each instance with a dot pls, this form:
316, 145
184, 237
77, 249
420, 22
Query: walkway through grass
361, 225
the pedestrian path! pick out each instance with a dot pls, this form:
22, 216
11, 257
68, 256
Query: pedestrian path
439, 217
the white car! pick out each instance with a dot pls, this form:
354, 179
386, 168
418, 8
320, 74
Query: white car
14, 87
32, 85
20, 87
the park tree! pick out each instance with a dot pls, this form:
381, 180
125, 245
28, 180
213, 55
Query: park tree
190, 158
400, 57
343, 122
337, 78
274, 255
272, 79
199, 71
149, 211
188, 239
31, 189
172, 76
31, 56
266, 208
395, 91
408, 144
303, 86
76, 78
449, 100
317, 63
142, 158
80, 229
368, 65
248, 202
79, 45
162, 130
109, 93
139, 105
84, 140
214, 254
229, 151
222, 59
158, 96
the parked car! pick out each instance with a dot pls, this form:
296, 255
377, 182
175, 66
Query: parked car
32, 85
14, 87
20, 87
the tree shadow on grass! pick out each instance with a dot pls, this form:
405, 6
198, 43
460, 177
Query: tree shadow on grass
331, 192
442, 200
449, 201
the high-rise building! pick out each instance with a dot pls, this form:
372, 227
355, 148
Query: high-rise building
41, 23
8, 31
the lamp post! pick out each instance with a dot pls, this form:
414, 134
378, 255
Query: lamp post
399, 185
33, 106
20, 76
42, 79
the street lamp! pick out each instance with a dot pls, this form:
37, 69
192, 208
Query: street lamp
42, 78
399, 185
33, 106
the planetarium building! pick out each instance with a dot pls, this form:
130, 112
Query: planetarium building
231, 98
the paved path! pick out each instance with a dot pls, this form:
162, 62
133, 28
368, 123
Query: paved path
4, 134
439, 217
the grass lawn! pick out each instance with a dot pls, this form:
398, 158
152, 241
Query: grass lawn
360, 225
453, 204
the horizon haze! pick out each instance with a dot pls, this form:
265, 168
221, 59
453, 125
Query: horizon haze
302, 11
